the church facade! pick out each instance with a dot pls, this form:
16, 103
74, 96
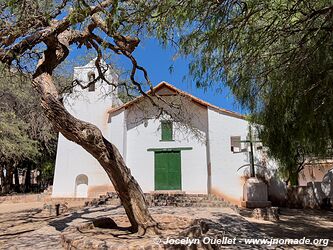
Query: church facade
162, 155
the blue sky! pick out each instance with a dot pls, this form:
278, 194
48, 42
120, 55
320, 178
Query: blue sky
157, 60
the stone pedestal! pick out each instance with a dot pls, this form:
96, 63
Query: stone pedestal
255, 194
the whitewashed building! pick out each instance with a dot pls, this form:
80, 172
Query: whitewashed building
160, 156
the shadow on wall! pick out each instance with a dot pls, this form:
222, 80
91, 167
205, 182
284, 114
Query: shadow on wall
311, 196
277, 191
317, 194
189, 118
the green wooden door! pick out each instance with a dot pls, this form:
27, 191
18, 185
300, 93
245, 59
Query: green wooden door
167, 170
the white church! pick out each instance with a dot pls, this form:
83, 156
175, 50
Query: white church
161, 156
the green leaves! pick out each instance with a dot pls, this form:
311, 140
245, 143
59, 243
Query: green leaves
79, 14
15, 142
25, 134
275, 56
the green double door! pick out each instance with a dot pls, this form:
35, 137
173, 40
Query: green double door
167, 170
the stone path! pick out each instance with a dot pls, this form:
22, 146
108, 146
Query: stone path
36, 229
297, 223
193, 223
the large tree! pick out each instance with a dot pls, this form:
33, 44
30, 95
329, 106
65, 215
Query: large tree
37, 36
27, 138
276, 57
15, 146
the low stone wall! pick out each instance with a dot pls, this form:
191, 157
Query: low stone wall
22, 198
153, 199
43, 197
185, 200
168, 199
310, 196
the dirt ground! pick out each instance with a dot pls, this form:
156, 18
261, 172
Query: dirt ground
28, 226
16, 207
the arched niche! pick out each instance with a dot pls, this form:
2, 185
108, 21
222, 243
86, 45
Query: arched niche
81, 186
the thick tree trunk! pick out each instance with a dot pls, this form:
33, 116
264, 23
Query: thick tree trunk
91, 139
17, 181
8, 180
27, 182
1, 178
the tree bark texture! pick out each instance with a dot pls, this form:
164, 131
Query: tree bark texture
91, 139
8, 185
57, 38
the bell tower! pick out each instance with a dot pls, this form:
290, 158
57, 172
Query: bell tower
91, 103
77, 173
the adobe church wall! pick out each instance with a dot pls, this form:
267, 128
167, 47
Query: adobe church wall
90, 106
117, 131
72, 160
98, 190
144, 132
226, 180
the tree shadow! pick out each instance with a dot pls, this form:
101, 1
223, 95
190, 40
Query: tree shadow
237, 225
63, 223
108, 223
297, 223
230, 229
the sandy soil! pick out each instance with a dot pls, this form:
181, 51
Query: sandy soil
16, 207
28, 226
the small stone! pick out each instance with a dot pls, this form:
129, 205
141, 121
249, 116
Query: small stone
268, 214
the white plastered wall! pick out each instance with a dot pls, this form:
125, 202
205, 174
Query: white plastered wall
226, 180
146, 134
72, 160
